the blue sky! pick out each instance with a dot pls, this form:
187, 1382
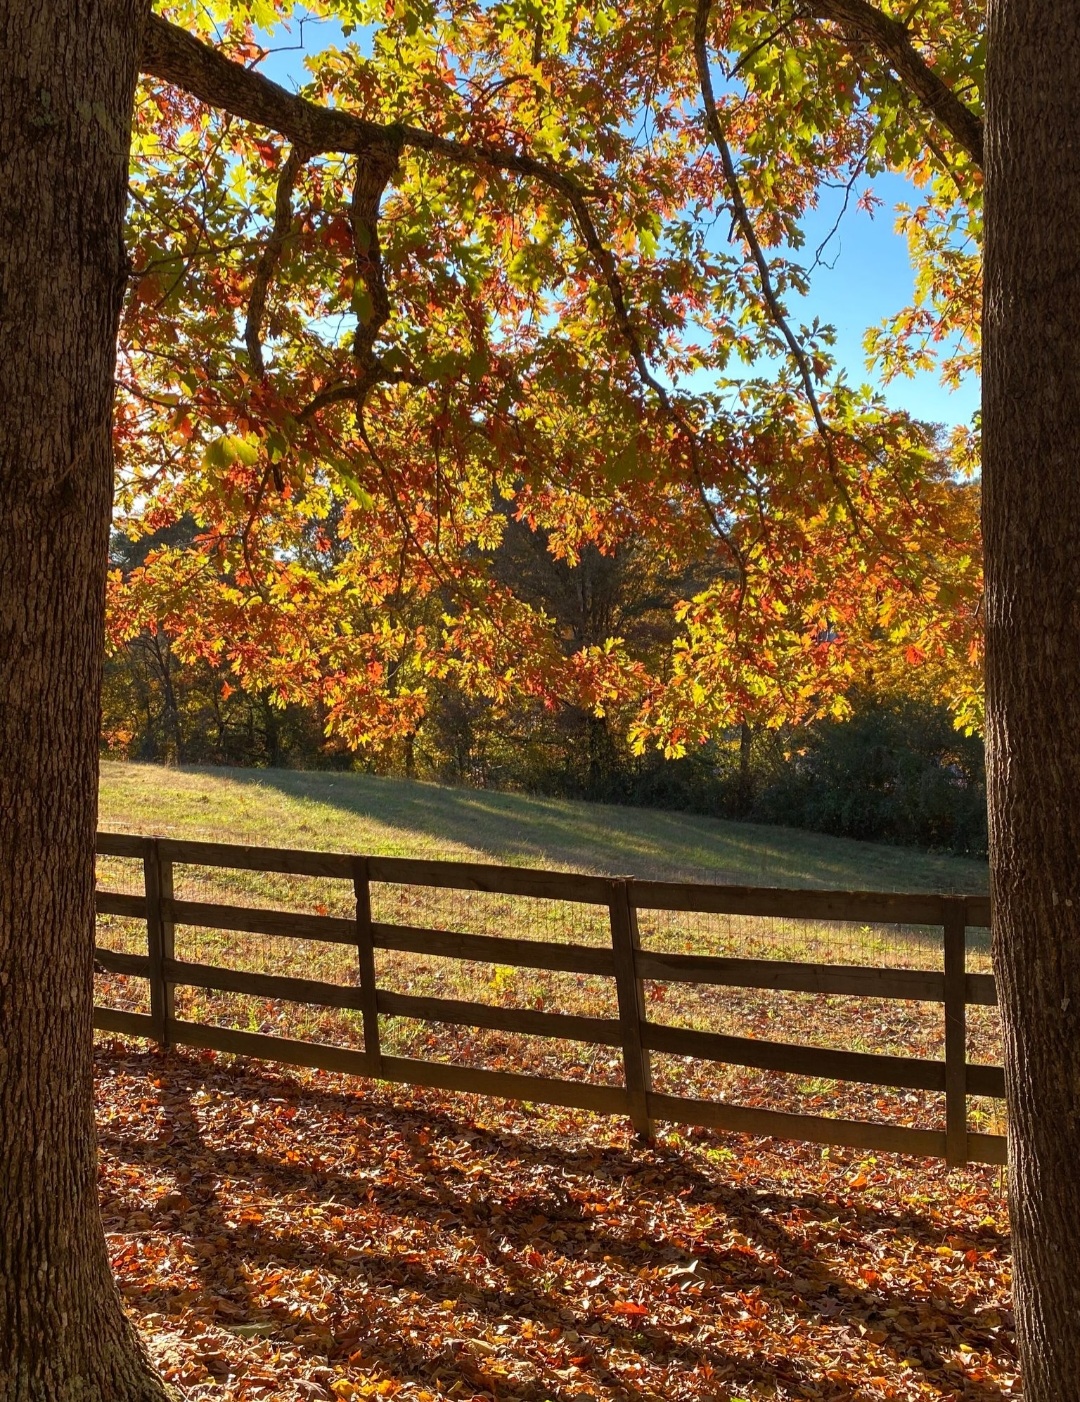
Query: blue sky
866, 275
872, 278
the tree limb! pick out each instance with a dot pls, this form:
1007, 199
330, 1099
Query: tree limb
268, 259
865, 23
179, 58
356, 391
372, 177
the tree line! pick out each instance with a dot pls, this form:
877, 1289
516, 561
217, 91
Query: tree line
892, 767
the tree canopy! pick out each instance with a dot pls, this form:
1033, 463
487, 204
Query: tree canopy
530, 265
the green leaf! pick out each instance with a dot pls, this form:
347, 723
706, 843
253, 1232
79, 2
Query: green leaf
362, 304
359, 494
277, 445
230, 448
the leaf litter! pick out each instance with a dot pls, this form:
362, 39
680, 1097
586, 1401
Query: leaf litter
300, 1235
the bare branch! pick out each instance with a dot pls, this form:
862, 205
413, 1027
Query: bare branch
373, 173
865, 23
372, 177
268, 259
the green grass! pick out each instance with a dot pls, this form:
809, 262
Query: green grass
391, 817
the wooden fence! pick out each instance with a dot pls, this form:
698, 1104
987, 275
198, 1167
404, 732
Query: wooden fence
625, 961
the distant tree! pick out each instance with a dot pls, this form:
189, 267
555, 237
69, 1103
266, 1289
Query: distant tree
896, 770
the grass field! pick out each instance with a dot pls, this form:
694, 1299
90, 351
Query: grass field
390, 817
387, 817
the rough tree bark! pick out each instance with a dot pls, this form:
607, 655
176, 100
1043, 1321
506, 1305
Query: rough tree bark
1031, 519
66, 90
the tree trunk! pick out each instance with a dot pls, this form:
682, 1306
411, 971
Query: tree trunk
1031, 520
410, 755
170, 709
744, 793
272, 742
66, 88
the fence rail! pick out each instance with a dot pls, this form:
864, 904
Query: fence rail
624, 961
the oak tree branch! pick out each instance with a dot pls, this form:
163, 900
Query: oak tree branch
865, 23
371, 179
181, 59
268, 259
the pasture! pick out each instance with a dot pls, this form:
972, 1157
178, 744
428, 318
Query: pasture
396, 818
387, 818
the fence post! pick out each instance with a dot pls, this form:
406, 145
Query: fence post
637, 1067
365, 945
955, 929
160, 937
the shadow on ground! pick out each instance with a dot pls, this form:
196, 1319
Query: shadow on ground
416, 1247
648, 843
